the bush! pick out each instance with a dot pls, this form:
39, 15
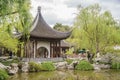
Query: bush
3, 75
34, 67
84, 65
47, 66
115, 65
69, 61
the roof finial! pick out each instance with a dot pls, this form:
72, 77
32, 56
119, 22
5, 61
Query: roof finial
39, 8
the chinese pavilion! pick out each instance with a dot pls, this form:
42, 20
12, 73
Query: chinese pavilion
45, 42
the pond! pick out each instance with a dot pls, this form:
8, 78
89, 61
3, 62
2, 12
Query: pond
69, 75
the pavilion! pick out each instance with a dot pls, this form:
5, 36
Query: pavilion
45, 42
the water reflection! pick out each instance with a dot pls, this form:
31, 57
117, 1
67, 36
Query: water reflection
69, 75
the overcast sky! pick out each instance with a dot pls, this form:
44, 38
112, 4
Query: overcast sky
64, 11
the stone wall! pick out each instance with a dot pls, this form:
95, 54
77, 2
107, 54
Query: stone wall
45, 44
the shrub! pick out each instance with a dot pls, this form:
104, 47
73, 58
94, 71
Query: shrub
84, 65
115, 65
3, 75
34, 67
69, 61
47, 66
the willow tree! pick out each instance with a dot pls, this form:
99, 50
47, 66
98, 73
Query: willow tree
95, 30
14, 15
61, 27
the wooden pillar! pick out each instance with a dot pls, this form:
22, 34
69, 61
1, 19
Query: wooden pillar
28, 49
36, 48
50, 49
20, 50
24, 53
55, 49
25, 50
59, 49
54, 53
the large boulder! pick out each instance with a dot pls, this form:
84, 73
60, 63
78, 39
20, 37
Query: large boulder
61, 65
12, 69
72, 65
2, 66
25, 67
96, 67
105, 59
105, 66
101, 66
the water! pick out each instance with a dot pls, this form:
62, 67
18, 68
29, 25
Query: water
69, 75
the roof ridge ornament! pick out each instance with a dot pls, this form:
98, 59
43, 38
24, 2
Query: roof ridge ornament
39, 8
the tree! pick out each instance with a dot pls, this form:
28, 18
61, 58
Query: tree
60, 27
14, 14
95, 30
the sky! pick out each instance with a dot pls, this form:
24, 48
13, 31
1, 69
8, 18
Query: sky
64, 11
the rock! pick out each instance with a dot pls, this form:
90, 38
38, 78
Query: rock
2, 66
72, 65
61, 65
12, 69
11, 72
105, 59
25, 67
9, 59
2, 59
101, 66
96, 67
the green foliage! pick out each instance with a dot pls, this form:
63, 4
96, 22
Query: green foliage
95, 30
70, 51
14, 14
8, 41
45, 66
60, 27
115, 62
69, 61
84, 65
3, 75
115, 65
48, 66
34, 67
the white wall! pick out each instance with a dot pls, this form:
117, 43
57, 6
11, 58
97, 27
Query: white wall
45, 44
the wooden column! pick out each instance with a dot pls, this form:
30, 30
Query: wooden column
59, 49
20, 51
51, 49
36, 48
56, 53
26, 50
